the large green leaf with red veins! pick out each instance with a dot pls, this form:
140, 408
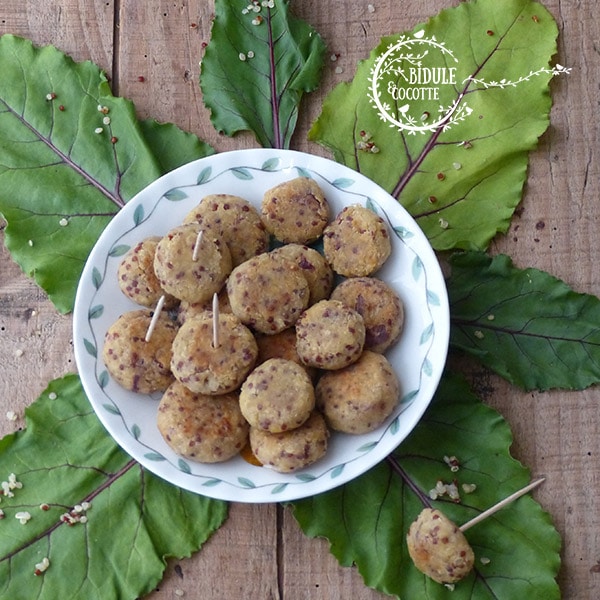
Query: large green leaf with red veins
256, 68
526, 325
67, 167
133, 523
459, 440
459, 172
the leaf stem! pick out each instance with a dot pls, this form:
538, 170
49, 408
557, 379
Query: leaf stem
432, 141
393, 462
277, 141
110, 480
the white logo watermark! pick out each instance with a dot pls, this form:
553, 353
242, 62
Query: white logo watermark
414, 86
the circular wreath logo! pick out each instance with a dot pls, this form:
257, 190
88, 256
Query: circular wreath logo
414, 86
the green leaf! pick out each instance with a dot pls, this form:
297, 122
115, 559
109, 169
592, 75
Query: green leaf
171, 146
366, 520
342, 183
246, 482
60, 181
204, 175
111, 408
525, 324
175, 195
253, 76
96, 312
90, 348
184, 466
155, 456
241, 173
271, 164
119, 250
136, 520
96, 278
136, 431
103, 380
138, 214
462, 178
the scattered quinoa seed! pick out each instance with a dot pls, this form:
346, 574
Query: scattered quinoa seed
98, 130
491, 317
484, 560
339, 70
250, 54
11, 415
23, 517
469, 488
453, 492
63, 222
452, 462
443, 223
52, 396
242, 56
457, 166
371, 8
442, 489
13, 483
479, 335
19, 352
42, 566
30, 243
106, 120
76, 515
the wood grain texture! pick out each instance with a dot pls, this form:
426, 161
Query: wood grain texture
151, 51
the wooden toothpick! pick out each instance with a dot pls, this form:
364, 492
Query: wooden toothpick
215, 308
154, 320
197, 245
501, 504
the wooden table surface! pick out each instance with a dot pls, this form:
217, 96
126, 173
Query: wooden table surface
261, 553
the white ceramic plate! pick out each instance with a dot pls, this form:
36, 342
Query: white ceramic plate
412, 269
